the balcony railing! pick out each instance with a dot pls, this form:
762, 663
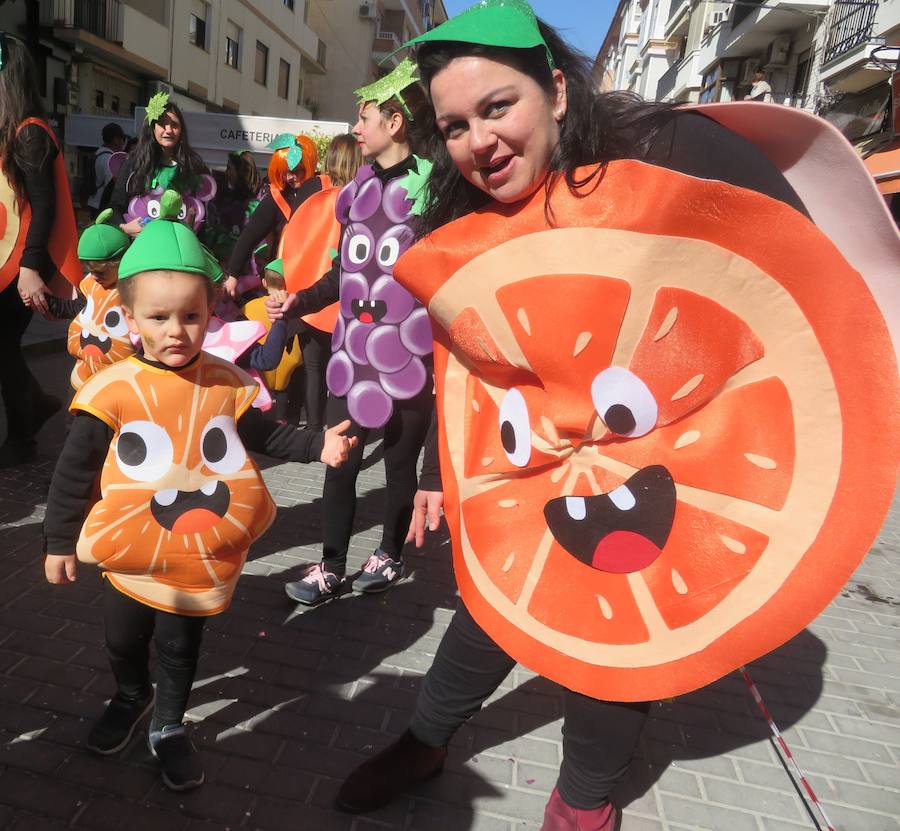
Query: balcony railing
851, 25
99, 17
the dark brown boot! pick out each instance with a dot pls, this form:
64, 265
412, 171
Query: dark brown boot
384, 777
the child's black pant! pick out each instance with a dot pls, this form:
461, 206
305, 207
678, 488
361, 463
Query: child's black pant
404, 434
599, 737
129, 626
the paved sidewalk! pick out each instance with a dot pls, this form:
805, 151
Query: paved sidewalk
287, 703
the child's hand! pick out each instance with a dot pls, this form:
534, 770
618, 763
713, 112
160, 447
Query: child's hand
428, 507
276, 310
278, 296
60, 568
229, 286
337, 446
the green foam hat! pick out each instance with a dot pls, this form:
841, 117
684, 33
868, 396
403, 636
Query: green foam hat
390, 86
277, 266
102, 241
165, 244
509, 23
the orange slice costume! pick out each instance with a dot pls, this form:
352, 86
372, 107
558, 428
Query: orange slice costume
667, 435
180, 499
98, 335
16, 219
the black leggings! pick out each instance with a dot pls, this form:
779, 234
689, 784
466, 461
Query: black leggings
403, 436
599, 737
316, 347
129, 625
19, 388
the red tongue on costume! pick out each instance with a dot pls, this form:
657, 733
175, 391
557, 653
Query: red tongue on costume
92, 351
366, 317
195, 521
621, 552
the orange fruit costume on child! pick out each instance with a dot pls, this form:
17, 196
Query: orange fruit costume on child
98, 335
180, 499
15, 220
667, 435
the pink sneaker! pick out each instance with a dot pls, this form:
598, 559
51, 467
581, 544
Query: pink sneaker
560, 816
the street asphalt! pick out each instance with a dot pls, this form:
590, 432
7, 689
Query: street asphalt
287, 702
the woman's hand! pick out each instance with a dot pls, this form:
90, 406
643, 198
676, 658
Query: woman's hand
428, 506
276, 311
337, 446
132, 228
229, 286
60, 568
33, 290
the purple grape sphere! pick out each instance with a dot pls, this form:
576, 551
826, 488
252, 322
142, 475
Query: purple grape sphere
353, 287
337, 336
355, 341
385, 351
399, 301
406, 383
369, 404
416, 334
339, 374
397, 205
368, 200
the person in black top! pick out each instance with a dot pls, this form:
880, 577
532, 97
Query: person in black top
514, 124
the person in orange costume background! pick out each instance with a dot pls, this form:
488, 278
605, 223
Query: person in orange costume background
607, 338
37, 241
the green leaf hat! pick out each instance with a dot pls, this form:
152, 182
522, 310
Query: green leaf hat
289, 142
390, 86
101, 241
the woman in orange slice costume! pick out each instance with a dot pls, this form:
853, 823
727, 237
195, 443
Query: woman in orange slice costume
181, 501
653, 435
37, 241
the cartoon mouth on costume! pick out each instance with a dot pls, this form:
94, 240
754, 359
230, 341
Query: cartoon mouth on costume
620, 531
368, 311
191, 512
94, 347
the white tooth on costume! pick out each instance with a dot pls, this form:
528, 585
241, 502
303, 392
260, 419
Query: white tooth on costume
622, 498
165, 497
85, 333
209, 488
103, 337
575, 507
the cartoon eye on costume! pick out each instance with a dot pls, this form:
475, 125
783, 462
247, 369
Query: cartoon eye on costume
388, 252
515, 429
115, 323
182, 214
220, 446
144, 451
153, 208
359, 248
624, 402
86, 315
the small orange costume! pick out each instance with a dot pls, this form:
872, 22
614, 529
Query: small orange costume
98, 335
180, 499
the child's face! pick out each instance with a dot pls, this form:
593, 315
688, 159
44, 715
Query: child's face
170, 312
105, 272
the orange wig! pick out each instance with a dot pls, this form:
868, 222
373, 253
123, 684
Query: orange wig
278, 166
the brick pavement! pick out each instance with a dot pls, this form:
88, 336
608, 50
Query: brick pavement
286, 703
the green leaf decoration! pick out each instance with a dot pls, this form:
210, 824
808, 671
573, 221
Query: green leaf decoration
390, 85
416, 184
105, 214
282, 141
156, 106
294, 156
170, 204
332, 252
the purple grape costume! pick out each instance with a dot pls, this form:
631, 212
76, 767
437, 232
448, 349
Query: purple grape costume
382, 333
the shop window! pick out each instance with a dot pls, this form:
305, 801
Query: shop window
262, 63
284, 78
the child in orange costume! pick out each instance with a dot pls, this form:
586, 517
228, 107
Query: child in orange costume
181, 501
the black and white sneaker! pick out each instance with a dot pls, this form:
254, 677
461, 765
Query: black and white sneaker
379, 573
315, 587
178, 759
116, 726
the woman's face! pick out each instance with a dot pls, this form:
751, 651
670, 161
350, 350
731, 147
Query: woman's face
373, 133
167, 131
499, 125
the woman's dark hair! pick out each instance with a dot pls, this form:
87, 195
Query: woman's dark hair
247, 174
147, 156
597, 127
420, 127
20, 99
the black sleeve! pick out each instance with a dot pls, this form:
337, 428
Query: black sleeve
65, 309
261, 222
696, 145
72, 486
280, 441
430, 479
266, 356
38, 154
120, 198
325, 291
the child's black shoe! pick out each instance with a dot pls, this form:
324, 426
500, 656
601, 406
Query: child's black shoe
116, 726
178, 759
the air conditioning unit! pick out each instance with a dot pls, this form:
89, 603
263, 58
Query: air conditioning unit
778, 51
368, 11
154, 87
